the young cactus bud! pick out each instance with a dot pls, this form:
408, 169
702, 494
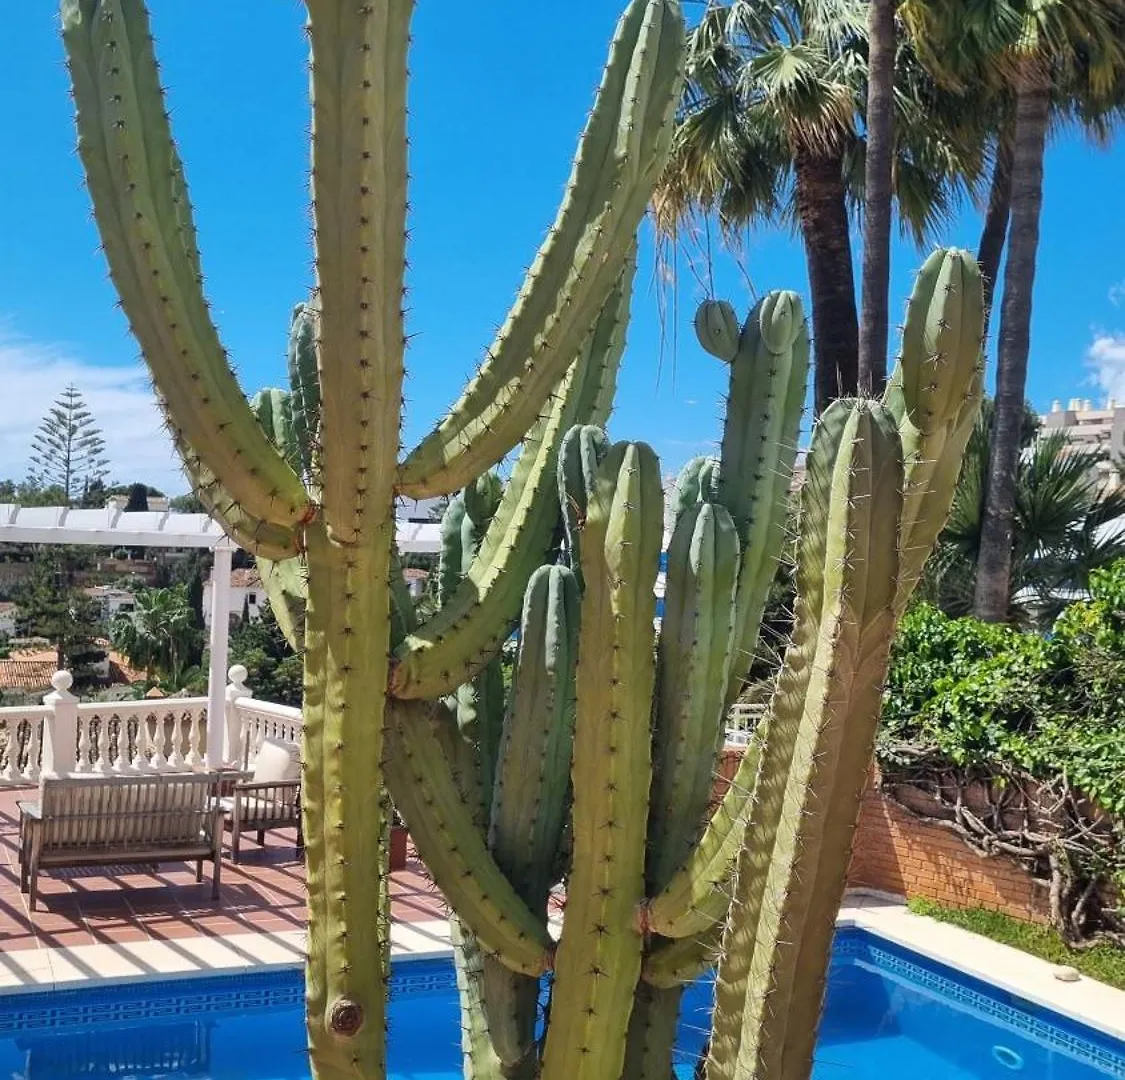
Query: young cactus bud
451, 560
304, 386
698, 482
716, 326
583, 449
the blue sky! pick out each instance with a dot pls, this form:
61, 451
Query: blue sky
498, 98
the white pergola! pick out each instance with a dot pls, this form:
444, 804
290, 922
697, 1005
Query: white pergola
111, 527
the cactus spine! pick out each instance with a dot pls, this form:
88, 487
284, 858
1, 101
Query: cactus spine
307, 480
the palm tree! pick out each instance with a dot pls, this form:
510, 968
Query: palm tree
1063, 54
1066, 524
876, 275
160, 635
769, 131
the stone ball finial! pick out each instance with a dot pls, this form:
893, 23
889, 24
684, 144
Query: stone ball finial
62, 681
238, 674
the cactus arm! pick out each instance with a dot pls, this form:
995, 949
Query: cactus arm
698, 893
530, 800
778, 865
768, 376
347, 644
788, 701
934, 394
693, 664
583, 449
652, 1033
679, 962
599, 956
304, 387
466, 633
480, 1059
450, 569
286, 584
358, 75
619, 160
141, 204
422, 750
261, 538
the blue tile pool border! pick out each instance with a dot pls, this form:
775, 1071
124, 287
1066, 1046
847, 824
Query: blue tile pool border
960, 989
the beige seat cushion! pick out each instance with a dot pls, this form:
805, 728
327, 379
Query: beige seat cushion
277, 762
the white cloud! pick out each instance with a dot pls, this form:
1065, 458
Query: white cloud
1117, 293
1106, 359
31, 376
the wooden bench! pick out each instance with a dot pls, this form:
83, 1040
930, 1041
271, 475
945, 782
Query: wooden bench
106, 821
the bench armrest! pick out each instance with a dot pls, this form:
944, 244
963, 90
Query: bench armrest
249, 787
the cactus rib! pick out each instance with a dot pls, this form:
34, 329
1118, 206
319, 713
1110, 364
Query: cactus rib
618, 161
144, 216
262, 538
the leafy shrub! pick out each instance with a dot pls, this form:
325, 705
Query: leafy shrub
995, 698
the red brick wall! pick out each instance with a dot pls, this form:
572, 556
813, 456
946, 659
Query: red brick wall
900, 853
897, 852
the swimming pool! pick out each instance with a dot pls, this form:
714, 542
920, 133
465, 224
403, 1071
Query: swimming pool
889, 1013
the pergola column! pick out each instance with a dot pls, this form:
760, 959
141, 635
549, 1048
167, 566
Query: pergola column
220, 643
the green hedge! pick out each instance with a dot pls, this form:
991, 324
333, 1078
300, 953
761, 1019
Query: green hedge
999, 699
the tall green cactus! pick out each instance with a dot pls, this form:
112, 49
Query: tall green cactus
335, 508
610, 732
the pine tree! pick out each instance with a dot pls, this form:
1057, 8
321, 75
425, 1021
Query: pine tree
68, 450
51, 606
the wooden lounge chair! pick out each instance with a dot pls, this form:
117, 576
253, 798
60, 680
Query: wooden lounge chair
265, 797
107, 821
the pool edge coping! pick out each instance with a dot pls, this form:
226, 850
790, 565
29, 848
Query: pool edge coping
40, 970
1085, 1001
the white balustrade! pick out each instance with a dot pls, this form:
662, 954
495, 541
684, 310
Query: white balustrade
742, 721
260, 720
64, 735
21, 734
140, 736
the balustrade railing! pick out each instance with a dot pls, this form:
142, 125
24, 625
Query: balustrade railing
742, 721
128, 737
65, 736
21, 743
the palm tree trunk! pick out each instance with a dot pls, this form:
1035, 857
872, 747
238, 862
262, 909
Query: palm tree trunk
995, 229
877, 198
823, 214
991, 595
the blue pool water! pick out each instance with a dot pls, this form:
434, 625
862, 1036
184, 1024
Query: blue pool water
890, 1014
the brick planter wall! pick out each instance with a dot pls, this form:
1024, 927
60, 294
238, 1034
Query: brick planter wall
897, 852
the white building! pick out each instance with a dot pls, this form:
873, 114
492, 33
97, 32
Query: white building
112, 600
246, 593
1092, 429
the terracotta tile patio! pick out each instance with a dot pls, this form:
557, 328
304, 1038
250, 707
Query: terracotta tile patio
104, 905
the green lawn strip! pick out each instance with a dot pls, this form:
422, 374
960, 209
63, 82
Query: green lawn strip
1106, 963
